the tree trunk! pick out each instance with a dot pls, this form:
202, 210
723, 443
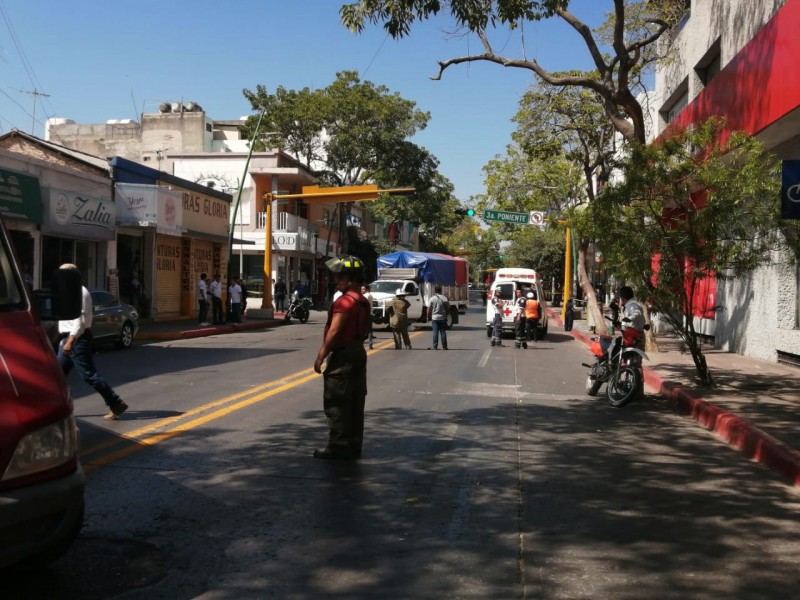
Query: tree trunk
588, 289
693, 343
650, 341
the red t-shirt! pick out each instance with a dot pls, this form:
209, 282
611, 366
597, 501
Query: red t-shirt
357, 309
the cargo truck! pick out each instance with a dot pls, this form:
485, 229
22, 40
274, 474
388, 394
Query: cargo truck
417, 274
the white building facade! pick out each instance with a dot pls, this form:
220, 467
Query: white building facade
738, 59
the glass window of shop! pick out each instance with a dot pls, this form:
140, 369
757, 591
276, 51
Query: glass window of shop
56, 251
252, 272
23, 247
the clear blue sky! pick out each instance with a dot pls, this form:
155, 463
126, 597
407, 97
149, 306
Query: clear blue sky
115, 60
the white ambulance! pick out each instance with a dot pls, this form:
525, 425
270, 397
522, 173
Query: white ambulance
508, 280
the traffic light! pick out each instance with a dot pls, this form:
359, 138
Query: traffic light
469, 212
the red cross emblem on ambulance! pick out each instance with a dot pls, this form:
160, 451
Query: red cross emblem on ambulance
506, 310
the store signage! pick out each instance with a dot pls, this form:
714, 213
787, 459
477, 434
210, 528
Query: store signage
148, 206
20, 197
790, 190
170, 214
284, 241
80, 215
204, 213
136, 204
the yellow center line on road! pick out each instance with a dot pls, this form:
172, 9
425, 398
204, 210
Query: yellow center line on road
135, 445
138, 439
136, 433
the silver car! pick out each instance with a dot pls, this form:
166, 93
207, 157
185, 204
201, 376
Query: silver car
112, 321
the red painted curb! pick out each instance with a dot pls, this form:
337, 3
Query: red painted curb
742, 435
206, 331
732, 429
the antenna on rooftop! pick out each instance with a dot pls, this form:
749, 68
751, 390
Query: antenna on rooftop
34, 93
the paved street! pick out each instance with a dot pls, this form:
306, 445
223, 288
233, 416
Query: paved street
487, 473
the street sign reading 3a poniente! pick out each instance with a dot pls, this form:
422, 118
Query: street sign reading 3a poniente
505, 216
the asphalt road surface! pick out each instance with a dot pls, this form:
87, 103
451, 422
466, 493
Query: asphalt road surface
486, 473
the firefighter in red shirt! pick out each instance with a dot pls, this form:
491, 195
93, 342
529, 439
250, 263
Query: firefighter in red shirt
345, 374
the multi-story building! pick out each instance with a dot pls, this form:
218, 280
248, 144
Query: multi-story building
183, 141
58, 206
141, 233
738, 59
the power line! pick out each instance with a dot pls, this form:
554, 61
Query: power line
26, 64
375, 55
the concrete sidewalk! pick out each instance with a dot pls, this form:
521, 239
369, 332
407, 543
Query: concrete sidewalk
753, 406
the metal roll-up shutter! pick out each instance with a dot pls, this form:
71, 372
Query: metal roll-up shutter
168, 270
202, 261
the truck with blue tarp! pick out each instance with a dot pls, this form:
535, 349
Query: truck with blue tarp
417, 274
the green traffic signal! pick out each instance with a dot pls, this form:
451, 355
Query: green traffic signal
470, 212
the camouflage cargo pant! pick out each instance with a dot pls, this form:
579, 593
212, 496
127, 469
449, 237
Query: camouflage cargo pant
344, 396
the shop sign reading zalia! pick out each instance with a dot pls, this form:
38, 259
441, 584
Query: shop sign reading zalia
80, 215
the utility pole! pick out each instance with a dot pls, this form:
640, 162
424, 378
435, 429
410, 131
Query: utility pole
34, 94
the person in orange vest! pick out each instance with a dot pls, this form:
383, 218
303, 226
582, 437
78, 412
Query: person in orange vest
532, 316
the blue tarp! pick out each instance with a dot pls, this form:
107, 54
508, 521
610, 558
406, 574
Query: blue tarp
433, 268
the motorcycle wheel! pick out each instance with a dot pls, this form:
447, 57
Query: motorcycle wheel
304, 316
622, 386
592, 386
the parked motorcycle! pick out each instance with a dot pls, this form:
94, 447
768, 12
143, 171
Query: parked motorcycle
299, 308
618, 362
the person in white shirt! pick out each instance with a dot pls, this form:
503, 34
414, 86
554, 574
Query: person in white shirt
75, 350
235, 296
218, 317
202, 300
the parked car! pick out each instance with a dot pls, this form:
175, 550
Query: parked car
112, 321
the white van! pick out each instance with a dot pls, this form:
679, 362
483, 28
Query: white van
508, 280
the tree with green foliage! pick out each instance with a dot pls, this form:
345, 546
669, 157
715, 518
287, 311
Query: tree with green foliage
519, 182
479, 246
620, 50
537, 248
564, 148
703, 202
354, 132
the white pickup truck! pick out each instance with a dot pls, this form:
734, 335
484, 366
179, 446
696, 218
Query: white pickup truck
417, 273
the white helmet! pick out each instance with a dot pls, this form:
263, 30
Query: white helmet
530, 295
